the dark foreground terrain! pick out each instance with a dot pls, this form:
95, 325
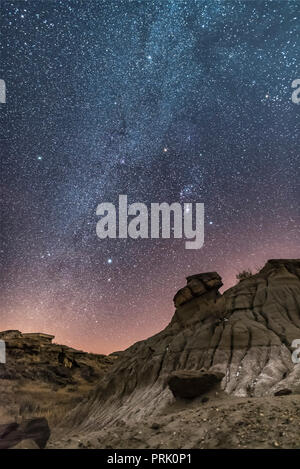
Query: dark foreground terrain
43, 379
231, 354
220, 423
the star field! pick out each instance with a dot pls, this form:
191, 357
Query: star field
162, 100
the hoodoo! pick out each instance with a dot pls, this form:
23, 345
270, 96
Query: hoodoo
244, 335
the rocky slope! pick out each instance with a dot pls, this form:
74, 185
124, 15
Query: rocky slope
245, 334
219, 423
44, 379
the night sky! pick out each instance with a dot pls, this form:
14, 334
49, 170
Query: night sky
162, 100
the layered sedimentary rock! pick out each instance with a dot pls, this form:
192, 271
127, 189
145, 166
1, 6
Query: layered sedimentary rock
246, 334
35, 357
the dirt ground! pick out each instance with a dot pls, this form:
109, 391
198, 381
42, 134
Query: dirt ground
231, 422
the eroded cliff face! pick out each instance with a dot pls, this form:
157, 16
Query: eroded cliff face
246, 333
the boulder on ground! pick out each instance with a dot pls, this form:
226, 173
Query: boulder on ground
283, 392
189, 384
33, 429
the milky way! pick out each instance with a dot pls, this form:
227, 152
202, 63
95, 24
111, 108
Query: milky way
165, 101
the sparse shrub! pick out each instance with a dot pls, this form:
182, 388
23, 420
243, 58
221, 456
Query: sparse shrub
29, 407
244, 274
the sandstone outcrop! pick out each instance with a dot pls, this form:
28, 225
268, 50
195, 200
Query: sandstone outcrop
206, 284
35, 357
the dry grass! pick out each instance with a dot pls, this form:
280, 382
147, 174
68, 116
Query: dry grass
54, 412
32, 401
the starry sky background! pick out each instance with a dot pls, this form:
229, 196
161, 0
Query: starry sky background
162, 100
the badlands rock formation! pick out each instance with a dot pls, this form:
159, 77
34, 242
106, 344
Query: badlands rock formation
35, 357
246, 334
